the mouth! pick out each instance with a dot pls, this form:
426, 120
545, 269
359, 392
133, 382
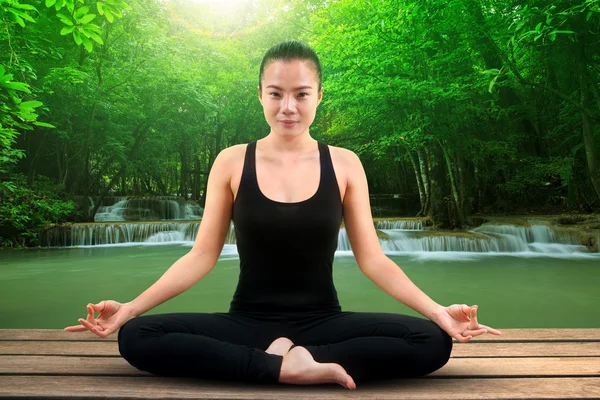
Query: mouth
288, 122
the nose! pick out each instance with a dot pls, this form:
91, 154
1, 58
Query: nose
289, 104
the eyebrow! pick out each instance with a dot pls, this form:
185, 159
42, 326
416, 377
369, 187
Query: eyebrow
298, 88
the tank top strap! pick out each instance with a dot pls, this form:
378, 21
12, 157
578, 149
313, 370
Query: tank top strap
248, 183
329, 182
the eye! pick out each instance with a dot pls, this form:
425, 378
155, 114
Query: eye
274, 94
303, 94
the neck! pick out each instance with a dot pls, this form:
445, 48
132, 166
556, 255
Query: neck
292, 144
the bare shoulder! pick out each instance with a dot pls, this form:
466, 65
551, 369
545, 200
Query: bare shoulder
232, 154
346, 159
229, 160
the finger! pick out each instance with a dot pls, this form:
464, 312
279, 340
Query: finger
86, 324
90, 316
103, 333
462, 338
491, 330
96, 329
76, 328
473, 314
476, 332
100, 307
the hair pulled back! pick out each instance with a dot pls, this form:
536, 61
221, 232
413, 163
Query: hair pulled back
290, 50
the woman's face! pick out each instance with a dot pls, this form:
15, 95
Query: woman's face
290, 96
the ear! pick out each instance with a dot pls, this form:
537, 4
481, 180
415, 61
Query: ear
320, 96
259, 94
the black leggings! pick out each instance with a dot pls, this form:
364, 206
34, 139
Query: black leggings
231, 346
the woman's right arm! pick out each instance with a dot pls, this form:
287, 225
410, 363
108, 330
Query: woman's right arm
203, 256
186, 271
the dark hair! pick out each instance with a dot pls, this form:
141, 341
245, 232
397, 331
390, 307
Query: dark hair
290, 51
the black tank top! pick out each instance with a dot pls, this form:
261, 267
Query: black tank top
286, 249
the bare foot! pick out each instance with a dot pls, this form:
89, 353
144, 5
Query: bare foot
300, 368
280, 346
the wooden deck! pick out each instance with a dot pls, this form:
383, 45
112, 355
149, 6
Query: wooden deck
520, 364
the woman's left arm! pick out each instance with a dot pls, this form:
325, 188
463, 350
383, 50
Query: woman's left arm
367, 250
383, 271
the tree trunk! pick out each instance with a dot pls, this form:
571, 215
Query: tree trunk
420, 186
455, 195
425, 178
438, 211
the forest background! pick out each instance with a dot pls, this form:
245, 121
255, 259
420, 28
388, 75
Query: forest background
465, 106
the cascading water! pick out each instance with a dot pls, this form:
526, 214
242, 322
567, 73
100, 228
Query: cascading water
536, 239
399, 237
125, 233
148, 209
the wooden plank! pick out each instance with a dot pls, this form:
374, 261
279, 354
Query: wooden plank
497, 367
474, 349
33, 387
70, 348
456, 367
50, 334
542, 335
545, 334
544, 349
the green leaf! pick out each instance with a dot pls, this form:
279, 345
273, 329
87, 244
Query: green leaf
77, 37
81, 12
565, 32
100, 6
87, 18
537, 27
66, 30
109, 16
50, 3
494, 71
87, 43
31, 104
20, 86
21, 14
19, 20
67, 22
492, 83
93, 28
588, 15
25, 7
43, 124
552, 36
95, 37
70, 6
2, 70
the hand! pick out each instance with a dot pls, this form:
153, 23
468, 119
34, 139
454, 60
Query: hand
112, 316
460, 322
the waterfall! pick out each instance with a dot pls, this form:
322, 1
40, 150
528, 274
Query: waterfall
412, 225
147, 209
400, 237
487, 238
125, 233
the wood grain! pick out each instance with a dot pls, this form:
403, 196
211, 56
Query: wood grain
585, 334
474, 349
457, 367
33, 387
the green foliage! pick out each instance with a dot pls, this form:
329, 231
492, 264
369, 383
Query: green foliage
25, 211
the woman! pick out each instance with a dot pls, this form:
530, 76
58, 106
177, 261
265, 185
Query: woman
286, 194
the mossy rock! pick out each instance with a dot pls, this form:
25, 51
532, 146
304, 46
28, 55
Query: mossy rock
382, 235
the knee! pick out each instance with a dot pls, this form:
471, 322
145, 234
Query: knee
129, 339
440, 348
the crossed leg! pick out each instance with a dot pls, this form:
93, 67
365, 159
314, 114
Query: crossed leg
208, 346
373, 346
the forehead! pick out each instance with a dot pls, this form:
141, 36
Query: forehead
290, 73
